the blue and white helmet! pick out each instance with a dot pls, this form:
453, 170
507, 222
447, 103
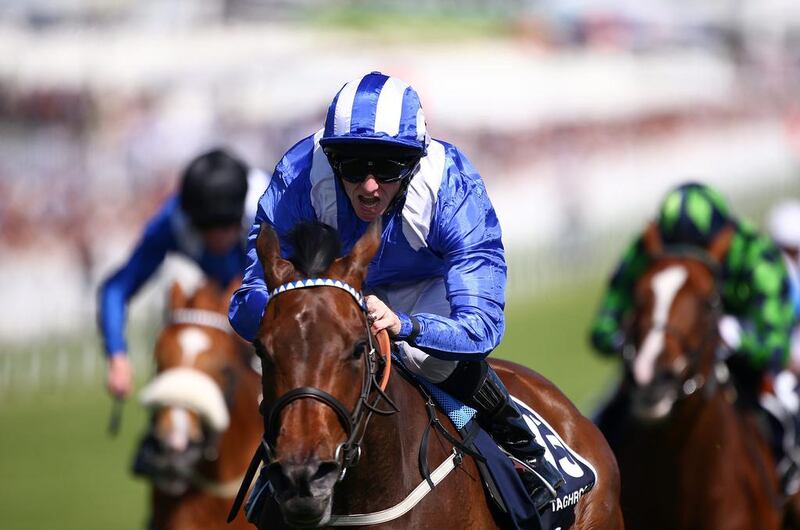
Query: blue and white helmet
376, 109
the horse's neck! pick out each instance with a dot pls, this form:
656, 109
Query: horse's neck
388, 469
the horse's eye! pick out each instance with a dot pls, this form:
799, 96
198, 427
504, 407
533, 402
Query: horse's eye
359, 350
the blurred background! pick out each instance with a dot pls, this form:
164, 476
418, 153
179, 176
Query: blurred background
579, 115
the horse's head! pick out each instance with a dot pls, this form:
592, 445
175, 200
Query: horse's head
198, 364
675, 328
315, 348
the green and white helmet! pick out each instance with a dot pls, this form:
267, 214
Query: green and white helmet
692, 214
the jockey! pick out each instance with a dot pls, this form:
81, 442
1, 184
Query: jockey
754, 286
437, 283
755, 294
783, 226
206, 222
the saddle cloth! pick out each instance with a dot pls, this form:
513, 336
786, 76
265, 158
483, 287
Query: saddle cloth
579, 474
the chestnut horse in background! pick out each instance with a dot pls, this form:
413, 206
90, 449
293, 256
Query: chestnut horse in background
205, 421
317, 354
689, 458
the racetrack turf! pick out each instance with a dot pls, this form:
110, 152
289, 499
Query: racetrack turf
59, 469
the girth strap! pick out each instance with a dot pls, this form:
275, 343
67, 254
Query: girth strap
413, 498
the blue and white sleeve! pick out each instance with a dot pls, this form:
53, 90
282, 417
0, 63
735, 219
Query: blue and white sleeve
467, 234
281, 207
120, 287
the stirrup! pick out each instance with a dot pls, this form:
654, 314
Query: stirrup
530, 469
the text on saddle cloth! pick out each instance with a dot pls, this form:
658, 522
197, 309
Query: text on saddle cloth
579, 474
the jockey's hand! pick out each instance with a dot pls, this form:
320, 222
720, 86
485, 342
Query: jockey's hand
120, 375
381, 317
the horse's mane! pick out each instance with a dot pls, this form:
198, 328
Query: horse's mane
314, 247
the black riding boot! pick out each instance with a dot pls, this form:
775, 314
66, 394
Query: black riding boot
477, 385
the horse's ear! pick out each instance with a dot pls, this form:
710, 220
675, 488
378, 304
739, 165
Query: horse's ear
177, 298
353, 267
277, 270
721, 243
653, 245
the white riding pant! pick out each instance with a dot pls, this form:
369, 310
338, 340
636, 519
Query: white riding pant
427, 296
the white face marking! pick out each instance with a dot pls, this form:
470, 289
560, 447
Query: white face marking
193, 341
666, 285
178, 438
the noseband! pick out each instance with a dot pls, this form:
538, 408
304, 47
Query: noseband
354, 423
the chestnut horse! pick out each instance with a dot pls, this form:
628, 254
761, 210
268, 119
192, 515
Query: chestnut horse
204, 401
689, 458
318, 380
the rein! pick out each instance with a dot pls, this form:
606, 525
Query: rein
348, 453
354, 423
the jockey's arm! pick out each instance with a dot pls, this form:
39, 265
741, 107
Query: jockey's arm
281, 207
467, 234
607, 331
769, 307
118, 289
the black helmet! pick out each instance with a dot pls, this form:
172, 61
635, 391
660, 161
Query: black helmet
213, 188
692, 214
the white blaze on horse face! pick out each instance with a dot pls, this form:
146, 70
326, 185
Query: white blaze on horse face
193, 341
178, 437
666, 285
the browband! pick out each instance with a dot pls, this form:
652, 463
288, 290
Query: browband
320, 282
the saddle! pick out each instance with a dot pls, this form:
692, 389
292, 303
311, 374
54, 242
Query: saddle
502, 482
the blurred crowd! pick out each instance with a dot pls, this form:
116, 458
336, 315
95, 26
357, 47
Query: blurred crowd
83, 163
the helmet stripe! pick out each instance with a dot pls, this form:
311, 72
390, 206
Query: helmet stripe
408, 118
421, 126
366, 104
671, 210
344, 108
390, 106
699, 210
376, 107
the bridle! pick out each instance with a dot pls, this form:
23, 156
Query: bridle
208, 447
691, 384
354, 422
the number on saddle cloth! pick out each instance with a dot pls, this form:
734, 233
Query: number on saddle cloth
579, 474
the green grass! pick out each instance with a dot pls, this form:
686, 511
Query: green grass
59, 468
395, 25
549, 334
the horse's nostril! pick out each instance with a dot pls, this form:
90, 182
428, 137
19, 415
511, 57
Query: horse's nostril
326, 472
325, 469
306, 479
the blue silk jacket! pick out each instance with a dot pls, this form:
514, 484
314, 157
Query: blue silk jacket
446, 227
168, 231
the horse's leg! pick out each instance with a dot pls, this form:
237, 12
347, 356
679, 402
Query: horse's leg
599, 509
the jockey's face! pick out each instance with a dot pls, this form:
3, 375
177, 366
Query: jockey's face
220, 240
370, 197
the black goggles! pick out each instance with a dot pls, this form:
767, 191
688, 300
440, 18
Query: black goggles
356, 170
